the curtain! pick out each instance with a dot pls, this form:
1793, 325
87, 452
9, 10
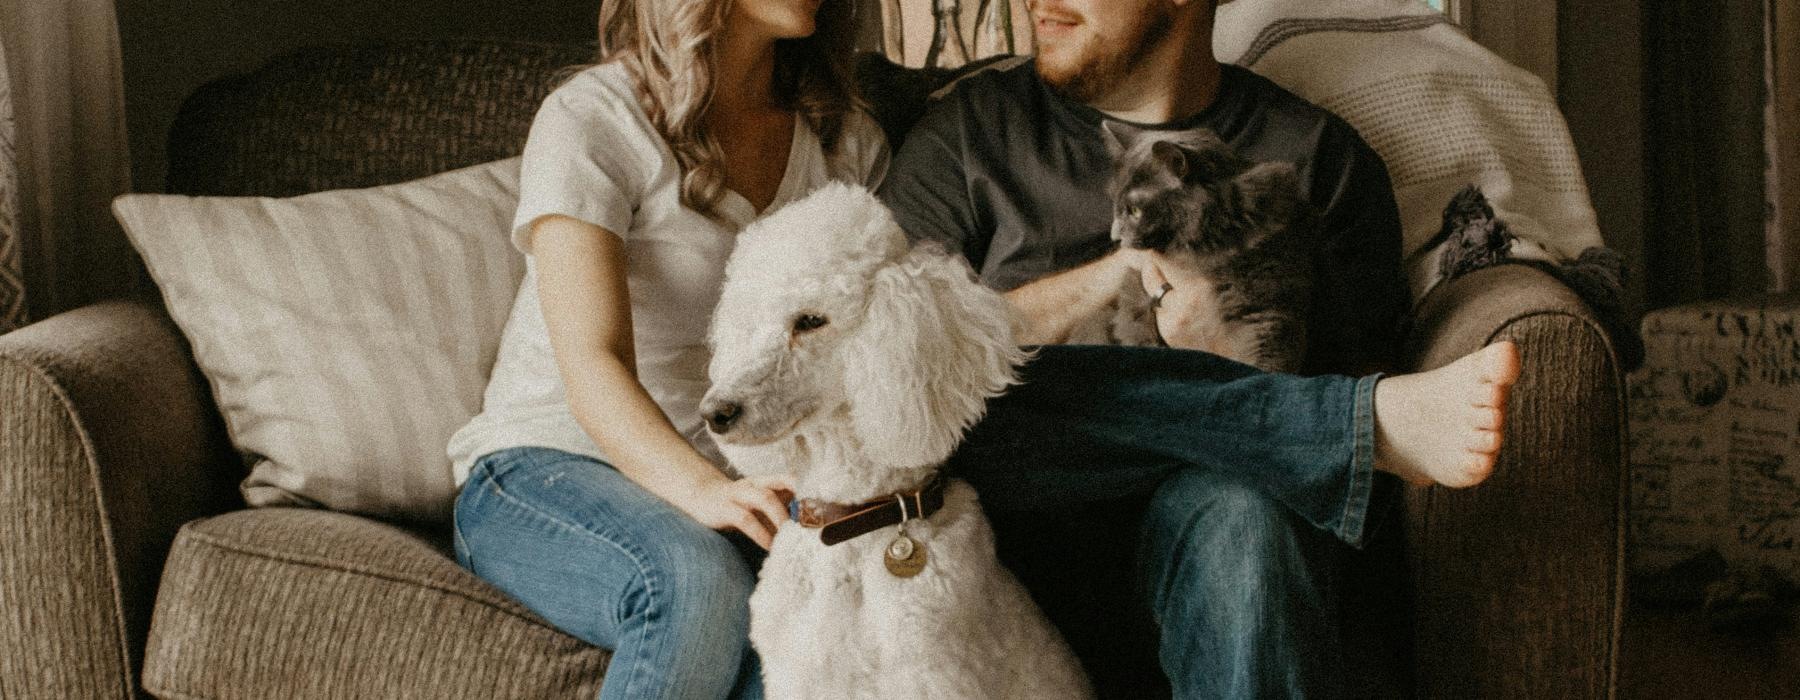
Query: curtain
69, 154
1704, 236
12, 281
1782, 143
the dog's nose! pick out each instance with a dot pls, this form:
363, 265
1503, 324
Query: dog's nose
721, 416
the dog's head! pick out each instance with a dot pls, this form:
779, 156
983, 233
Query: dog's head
830, 320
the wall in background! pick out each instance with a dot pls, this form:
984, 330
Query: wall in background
1521, 31
170, 48
1600, 69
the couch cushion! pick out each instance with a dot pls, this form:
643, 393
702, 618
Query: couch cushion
291, 603
347, 334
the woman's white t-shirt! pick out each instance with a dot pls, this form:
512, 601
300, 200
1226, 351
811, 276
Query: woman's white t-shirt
594, 155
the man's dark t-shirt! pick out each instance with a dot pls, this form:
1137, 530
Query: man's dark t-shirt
1014, 176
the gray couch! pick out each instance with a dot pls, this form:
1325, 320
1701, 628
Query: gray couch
129, 565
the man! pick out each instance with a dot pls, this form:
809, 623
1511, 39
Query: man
1010, 168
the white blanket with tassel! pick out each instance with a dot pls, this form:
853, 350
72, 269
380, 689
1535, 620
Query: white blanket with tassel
1440, 109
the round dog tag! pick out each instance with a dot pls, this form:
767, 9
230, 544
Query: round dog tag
904, 557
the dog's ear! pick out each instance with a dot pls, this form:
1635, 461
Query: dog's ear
933, 348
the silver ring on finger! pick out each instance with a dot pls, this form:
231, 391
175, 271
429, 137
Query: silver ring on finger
1156, 299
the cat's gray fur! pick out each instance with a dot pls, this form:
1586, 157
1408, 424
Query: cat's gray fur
1244, 226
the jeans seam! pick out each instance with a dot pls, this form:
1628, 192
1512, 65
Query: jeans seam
459, 544
1362, 461
637, 560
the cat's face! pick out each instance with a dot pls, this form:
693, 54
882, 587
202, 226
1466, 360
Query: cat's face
1187, 190
1165, 184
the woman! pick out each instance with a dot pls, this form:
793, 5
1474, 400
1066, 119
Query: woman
591, 492
635, 178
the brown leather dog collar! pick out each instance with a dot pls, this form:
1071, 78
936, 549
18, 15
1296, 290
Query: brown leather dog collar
842, 521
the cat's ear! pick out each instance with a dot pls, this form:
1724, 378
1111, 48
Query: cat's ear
1119, 137
1172, 157
1268, 192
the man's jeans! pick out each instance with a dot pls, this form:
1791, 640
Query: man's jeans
1248, 477
1241, 490
1090, 423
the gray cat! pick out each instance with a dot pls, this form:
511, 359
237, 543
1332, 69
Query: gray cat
1244, 226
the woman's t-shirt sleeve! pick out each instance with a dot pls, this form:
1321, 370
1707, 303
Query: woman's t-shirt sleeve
584, 158
864, 150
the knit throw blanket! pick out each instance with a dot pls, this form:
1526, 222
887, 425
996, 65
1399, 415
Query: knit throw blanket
1441, 110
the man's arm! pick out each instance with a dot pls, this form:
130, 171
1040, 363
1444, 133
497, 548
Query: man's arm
1052, 305
1359, 298
927, 186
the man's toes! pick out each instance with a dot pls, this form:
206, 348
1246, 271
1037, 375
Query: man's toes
1484, 441
1490, 396
1477, 469
1488, 418
1503, 363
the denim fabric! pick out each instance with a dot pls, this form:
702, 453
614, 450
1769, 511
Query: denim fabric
617, 567
1244, 595
1240, 488
1092, 423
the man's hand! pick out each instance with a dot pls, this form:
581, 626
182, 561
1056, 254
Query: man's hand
1188, 315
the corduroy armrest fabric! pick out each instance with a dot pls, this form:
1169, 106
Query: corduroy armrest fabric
1519, 581
108, 442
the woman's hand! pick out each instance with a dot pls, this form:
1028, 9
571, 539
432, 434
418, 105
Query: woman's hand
753, 506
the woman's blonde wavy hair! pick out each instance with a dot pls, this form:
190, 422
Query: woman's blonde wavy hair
671, 48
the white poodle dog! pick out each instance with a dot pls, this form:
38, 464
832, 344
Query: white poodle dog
853, 362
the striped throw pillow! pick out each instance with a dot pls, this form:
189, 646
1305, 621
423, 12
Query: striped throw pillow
346, 334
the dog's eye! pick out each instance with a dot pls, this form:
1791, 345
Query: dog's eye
808, 322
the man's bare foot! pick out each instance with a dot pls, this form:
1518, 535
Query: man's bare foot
1444, 426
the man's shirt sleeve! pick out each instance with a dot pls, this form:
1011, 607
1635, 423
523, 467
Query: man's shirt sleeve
927, 185
1360, 298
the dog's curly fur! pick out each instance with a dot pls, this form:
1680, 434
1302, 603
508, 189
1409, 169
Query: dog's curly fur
867, 404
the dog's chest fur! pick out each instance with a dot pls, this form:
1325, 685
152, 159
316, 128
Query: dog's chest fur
831, 622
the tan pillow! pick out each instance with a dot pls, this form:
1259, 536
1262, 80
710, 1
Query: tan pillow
346, 334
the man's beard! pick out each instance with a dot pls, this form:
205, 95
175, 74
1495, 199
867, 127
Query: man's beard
1100, 64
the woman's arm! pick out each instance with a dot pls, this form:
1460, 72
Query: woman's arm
587, 309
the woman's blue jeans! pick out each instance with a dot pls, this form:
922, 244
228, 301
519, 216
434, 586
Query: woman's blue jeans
615, 566
1247, 476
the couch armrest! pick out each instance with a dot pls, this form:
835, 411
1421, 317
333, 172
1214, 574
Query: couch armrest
109, 441
1519, 581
